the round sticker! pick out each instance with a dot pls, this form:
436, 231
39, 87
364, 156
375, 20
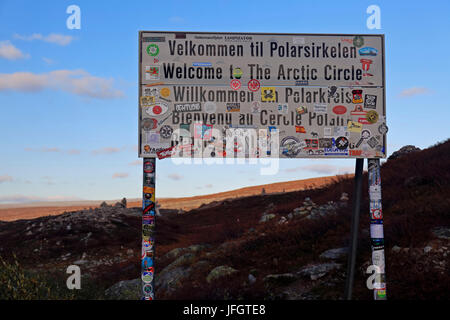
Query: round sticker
164, 92
147, 277
147, 289
341, 143
166, 131
235, 84
210, 107
383, 129
148, 167
149, 124
339, 109
237, 73
152, 49
253, 85
372, 116
358, 41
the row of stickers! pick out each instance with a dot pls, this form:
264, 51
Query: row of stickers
311, 122
376, 228
148, 230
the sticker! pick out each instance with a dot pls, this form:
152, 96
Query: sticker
268, 94
152, 50
147, 262
378, 259
152, 137
358, 111
339, 109
149, 124
237, 74
153, 39
301, 110
376, 214
332, 91
166, 132
210, 107
253, 85
283, 108
165, 153
368, 51
235, 84
187, 107
147, 277
341, 131
370, 101
256, 107
357, 96
376, 231
291, 146
325, 143
164, 92
320, 108
152, 73
353, 126
147, 101
156, 109
375, 192
233, 107
341, 143
300, 129
327, 132
383, 129
372, 142
372, 116
148, 167
358, 41
365, 63
148, 290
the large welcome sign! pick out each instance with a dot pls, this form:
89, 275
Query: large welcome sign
259, 95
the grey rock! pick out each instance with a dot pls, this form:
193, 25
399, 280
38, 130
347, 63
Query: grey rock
427, 249
334, 253
403, 151
251, 279
396, 249
442, 233
317, 271
220, 272
125, 290
282, 279
266, 217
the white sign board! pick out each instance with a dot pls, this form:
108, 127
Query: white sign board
318, 95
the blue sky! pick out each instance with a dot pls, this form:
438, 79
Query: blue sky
65, 139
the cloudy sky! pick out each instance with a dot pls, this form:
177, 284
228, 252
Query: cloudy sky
68, 98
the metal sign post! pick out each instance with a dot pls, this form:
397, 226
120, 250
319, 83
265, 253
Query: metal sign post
356, 204
148, 228
376, 229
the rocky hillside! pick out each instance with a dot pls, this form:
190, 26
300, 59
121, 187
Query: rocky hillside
275, 246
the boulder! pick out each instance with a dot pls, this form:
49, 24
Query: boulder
317, 271
442, 233
334, 253
220, 272
125, 290
282, 279
403, 151
266, 217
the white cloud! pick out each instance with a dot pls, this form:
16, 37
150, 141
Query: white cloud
120, 175
78, 82
322, 169
5, 178
136, 163
106, 150
24, 199
59, 39
10, 52
415, 91
48, 60
43, 149
175, 176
